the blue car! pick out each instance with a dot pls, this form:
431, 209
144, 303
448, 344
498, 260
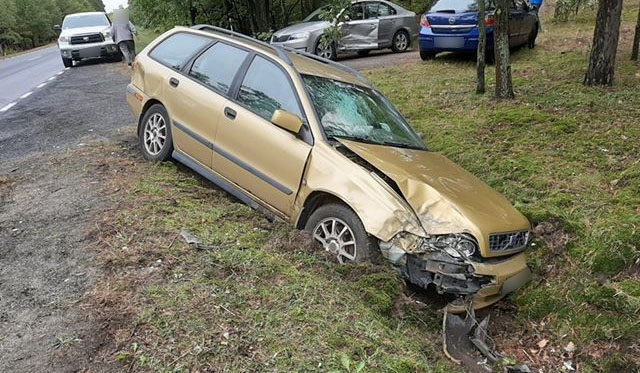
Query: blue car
452, 26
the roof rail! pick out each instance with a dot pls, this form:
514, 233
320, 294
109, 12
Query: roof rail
337, 65
279, 51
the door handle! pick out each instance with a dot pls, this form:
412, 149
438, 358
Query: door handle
174, 82
373, 27
230, 113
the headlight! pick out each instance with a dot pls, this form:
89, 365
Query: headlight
299, 35
106, 34
63, 39
456, 245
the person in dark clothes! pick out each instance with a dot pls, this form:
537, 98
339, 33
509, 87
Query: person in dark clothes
123, 35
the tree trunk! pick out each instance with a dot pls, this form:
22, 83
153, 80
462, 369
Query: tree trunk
504, 84
602, 63
636, 39
482, 46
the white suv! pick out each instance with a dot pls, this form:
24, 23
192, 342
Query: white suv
86, 35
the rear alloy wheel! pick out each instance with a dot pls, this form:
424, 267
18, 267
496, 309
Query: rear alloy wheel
154, 135
67, 62
328, 52
426, 55
400, 42
339, 230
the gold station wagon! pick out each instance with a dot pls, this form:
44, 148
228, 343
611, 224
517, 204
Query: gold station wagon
309, 141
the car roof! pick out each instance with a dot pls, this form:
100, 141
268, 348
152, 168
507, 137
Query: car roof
304, 63
84, 14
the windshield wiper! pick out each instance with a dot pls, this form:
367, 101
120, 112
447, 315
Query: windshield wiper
383, 143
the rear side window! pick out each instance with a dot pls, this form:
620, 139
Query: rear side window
218, 66
266, 89
175, 50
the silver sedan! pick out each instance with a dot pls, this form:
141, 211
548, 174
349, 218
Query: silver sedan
369, 25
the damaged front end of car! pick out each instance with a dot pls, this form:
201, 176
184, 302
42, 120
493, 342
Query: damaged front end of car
453, 264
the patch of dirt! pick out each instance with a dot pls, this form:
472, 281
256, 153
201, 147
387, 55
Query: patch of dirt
48, 201
553, 236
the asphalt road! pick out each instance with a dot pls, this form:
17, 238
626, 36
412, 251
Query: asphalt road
22, 74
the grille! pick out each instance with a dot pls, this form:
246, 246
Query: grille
280, 39
86, 39
503, 242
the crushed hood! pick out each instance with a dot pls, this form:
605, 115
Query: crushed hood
445, 197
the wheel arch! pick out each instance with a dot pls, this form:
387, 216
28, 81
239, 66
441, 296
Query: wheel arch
314, 201
146, 107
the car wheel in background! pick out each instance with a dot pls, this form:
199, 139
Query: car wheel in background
400, 42
339, 230
531, 43
154, 135
67, 62
426, 55
328, 52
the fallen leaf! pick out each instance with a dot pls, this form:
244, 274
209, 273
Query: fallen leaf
570, 347
543, 343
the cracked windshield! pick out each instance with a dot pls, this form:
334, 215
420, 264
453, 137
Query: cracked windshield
357, 113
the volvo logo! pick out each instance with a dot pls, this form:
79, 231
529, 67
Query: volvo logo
452, 20
86, 38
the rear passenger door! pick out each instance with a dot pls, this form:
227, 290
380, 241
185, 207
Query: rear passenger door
386, 18
260, 157
177, 94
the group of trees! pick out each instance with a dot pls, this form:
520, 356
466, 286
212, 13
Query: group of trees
251, 17
27, 24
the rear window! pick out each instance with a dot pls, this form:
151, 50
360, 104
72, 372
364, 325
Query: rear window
459, 6
175, 50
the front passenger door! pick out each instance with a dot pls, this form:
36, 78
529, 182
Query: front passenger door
263, 159
359, 33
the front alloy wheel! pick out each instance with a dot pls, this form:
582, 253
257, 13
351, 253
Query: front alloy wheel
339, 230
337, 238
325, 51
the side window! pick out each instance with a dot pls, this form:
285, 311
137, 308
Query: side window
371, 10
385, 10
175, 50
218, 66
266, 89
356, 12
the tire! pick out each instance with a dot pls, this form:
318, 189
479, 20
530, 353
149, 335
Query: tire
328, 53
426, 55
154, 126
364, 53
400, 42
350, 245
67, 62
531, 42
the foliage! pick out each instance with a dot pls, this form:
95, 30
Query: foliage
568, 8
28, 24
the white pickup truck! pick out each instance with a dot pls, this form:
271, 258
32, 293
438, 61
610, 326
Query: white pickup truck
86, 35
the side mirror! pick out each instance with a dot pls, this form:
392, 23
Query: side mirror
287, 121
57, 28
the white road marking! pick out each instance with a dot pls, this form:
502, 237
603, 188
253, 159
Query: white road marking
33, 59
26, 95
66, 68
60, 73
50, 79
7, 107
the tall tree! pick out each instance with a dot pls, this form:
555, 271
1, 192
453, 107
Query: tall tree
8, 35
482, 47
504, 83
636, 39
602, 63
